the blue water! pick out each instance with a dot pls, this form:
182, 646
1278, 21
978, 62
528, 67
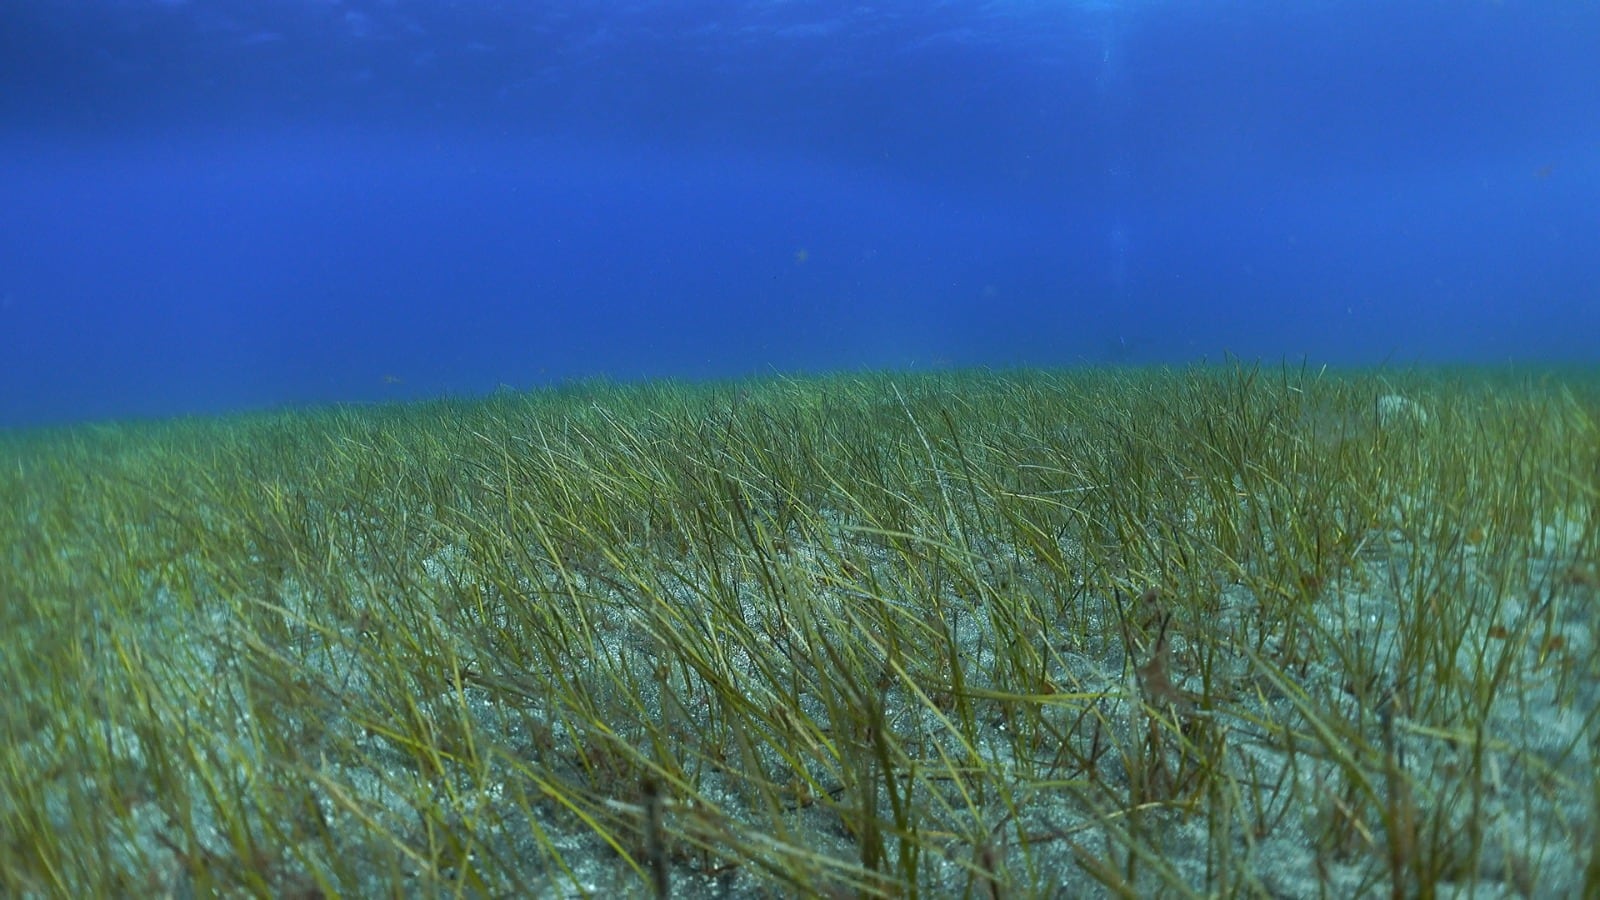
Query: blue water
210, 205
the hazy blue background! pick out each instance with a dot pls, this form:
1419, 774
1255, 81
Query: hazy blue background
217, 204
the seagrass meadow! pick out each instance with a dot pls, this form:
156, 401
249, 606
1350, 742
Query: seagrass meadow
1223, 631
